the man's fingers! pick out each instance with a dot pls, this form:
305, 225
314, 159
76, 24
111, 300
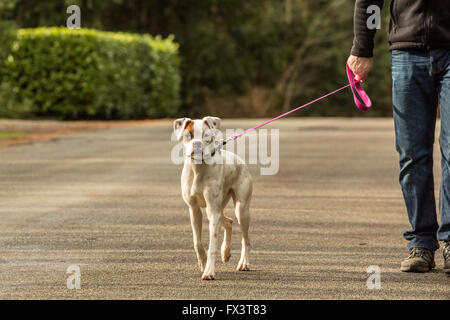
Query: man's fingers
360, 66
361, 75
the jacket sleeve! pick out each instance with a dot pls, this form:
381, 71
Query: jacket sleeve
363, 36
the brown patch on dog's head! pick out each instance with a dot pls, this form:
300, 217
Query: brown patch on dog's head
188, 132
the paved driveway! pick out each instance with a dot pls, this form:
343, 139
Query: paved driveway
109, 201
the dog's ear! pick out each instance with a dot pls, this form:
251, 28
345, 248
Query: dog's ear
179, 125
212, 122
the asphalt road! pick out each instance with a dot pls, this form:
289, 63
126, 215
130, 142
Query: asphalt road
109, 201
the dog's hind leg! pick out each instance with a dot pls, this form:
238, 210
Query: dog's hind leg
243, 216
196, 222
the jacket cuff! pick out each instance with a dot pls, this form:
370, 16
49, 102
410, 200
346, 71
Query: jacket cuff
359, 52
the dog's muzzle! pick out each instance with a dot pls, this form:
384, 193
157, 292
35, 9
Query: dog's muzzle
197, 148
204, 152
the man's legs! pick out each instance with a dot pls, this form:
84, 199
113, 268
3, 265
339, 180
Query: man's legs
442, 58
415, 104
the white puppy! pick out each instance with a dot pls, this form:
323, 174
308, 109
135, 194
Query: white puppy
210, 178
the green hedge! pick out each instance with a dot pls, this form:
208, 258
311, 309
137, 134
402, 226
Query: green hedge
90, 74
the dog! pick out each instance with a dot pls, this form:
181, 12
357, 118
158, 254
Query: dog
210, 177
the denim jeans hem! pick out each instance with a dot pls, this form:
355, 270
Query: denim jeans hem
429, 245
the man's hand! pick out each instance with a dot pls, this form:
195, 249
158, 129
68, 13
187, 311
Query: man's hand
360, 66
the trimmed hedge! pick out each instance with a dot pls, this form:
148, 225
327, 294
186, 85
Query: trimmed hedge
90, 74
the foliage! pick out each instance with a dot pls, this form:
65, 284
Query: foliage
289, 50
74, 74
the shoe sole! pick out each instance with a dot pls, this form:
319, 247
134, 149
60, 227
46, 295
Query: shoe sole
416, 269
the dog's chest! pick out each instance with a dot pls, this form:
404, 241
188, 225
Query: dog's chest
192, 186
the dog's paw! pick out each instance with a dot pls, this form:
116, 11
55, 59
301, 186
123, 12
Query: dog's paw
208, 277
243, 266
226, 254
209, 273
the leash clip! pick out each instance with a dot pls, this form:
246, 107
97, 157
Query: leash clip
218, 145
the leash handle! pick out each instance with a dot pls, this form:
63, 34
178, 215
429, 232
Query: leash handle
365, 104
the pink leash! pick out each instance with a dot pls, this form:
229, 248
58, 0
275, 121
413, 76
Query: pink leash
353, 84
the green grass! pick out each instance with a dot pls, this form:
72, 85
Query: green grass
11, 135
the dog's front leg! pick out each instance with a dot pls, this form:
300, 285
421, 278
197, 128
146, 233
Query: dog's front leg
214, 216
196, 222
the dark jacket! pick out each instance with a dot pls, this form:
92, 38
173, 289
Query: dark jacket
414, 24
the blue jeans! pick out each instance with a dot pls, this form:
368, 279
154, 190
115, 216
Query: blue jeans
421, 79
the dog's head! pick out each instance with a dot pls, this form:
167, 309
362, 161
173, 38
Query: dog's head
198, 135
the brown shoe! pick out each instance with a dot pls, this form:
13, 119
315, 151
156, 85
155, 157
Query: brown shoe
446, 254
419, 260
